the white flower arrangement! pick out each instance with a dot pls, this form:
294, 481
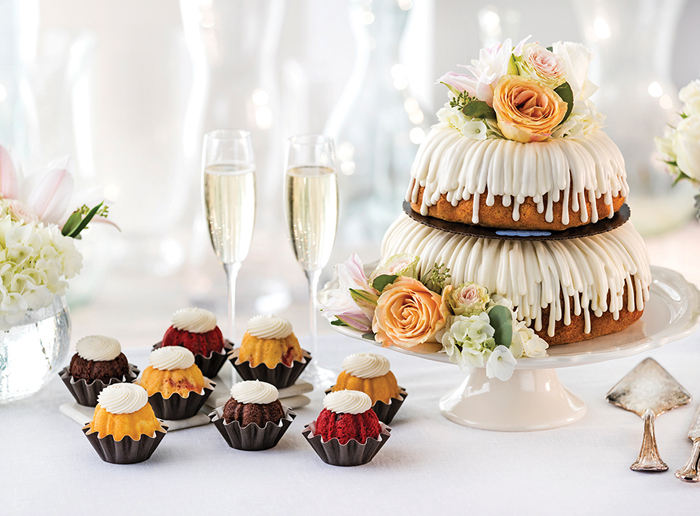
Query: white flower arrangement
37, 249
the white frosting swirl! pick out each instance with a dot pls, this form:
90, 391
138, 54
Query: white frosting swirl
269, 327
366, 365
171, 357
194, 320
347, 402
254, 391
98, 348
122, 398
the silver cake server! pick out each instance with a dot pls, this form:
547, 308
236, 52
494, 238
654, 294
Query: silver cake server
689, 472
648, 391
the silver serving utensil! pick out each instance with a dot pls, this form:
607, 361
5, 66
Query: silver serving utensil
648, 391
689, 472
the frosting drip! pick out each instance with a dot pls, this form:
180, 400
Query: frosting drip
570, 170
98, 348
194, 320
254, 392
269, 327
583, 271
171, 357
122, 398
366, 365
347, 402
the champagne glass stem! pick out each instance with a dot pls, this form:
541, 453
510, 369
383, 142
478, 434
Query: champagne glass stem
231, 275
313, 277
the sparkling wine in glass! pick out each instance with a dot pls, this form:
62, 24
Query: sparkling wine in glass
311, 207
228, 180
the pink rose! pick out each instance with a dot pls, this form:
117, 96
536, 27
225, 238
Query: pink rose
541, 65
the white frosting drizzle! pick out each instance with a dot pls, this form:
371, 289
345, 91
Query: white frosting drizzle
122, 398
98, 348
366, 365
269, 327
194, 320
254, 391
533, 274
347, 402
577, 169
171, 357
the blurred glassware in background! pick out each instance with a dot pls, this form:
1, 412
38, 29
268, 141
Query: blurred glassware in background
633, 43
376, 124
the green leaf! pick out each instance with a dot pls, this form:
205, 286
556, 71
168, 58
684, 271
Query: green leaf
479, 109
380, 282
338, 322
567, 95
364, 299
83, 223
71, 223
454, 90
551, 49
501, 319
512, 66
369, 336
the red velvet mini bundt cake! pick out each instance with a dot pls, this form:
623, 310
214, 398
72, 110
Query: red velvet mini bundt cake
347, 415
196, 330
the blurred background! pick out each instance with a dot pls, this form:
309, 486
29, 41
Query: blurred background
129, 88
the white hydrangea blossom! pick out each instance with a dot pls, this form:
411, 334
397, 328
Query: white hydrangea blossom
35, 261
468, 341
583, 120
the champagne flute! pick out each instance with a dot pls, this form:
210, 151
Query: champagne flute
228, 181
311, 206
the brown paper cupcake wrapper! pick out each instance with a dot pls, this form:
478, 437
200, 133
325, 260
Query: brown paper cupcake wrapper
177, 407
126, 451
281, 376
86, 393
350, 454
251, 437
385, 413
211, 365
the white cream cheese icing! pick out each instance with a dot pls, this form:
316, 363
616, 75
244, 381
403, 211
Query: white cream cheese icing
169, 358
122, 398
269, 327
98, 348
537, 274
576, 169
254, 391
366, 365
347, 402
194, 320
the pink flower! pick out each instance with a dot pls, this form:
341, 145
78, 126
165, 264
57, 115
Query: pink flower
49, 190
21, 212
540, 64
351, 274
460, 82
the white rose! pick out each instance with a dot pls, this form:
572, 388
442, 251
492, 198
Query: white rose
686, 144
690, 95
576, 58
583, 120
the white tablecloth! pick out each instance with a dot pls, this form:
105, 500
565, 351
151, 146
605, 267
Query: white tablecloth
429, 464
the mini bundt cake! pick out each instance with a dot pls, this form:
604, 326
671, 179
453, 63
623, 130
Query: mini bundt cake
196, 330
347, 415
269, 340
368, 373
98, 358
253, 402
123, 410
172, 371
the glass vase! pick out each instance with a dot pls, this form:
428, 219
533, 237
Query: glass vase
32, 351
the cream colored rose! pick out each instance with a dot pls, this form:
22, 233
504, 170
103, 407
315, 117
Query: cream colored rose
526, 111
686, 144
541, 65
408, 316
690, 96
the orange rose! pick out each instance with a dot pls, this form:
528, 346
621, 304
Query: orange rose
526, 110
408, 315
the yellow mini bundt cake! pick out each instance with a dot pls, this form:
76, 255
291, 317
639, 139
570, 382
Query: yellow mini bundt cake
269, 340
123, 410
369, 373
172, 371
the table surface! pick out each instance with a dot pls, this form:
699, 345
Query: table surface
429, 463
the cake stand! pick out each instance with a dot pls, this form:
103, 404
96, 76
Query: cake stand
534, 398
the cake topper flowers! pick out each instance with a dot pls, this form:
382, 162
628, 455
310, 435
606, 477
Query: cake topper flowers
680, 144
37, 253
397, 306
526, 93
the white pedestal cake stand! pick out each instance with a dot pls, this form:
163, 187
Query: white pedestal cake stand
534, 398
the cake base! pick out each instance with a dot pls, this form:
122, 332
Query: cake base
531, 400
500, 216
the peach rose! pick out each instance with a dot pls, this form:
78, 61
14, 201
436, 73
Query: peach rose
525, 110
408, 315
